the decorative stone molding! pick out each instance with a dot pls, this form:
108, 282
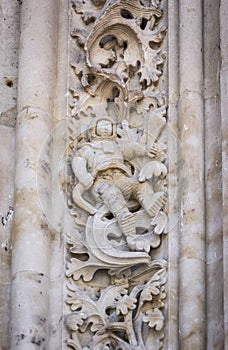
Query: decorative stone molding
117, 187
144, 289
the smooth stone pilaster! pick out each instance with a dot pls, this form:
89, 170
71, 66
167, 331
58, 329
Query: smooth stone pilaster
58, 215
31, 238
191, 180
173, 236
37, 61
7, 142
213, 178
32, 301
9, 42
191, 289
224, 126
58, 221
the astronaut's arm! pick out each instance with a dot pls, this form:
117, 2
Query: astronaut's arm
79, 166
133, 149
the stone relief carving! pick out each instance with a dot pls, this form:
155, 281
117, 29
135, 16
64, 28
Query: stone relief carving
117, 179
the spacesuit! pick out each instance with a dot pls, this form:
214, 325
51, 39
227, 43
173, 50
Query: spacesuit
103, 165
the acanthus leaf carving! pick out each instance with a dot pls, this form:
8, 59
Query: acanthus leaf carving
117, 183
118, 309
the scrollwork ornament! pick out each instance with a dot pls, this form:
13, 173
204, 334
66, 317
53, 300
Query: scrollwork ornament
117, 188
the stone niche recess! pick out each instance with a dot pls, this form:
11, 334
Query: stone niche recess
116, 188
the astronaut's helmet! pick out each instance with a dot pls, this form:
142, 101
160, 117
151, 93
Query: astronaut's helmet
102, 128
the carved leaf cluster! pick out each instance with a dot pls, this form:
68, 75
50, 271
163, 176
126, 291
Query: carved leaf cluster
117, 69
154, 318
113, 310
124, 304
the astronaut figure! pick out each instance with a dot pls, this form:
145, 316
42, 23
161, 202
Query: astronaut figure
101, 165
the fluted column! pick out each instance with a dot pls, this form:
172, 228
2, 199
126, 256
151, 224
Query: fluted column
191, 180
31, 238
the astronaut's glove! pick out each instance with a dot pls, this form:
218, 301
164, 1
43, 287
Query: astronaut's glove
152, 169
155, 149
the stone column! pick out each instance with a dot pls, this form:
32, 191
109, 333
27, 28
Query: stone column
173, 236
31, 238
213, 186
224, 126
192, 225
9, 41
58, 215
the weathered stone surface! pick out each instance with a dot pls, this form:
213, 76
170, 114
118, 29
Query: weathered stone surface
224, 130
9, 43
118, 195
102, 86
31, 236
191, 131
7, 145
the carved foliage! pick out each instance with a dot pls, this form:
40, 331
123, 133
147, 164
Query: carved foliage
117, 182
117, 316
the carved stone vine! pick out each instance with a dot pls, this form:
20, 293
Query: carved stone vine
116, 188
